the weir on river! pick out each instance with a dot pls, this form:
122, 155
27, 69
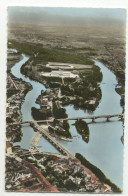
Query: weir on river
104, 148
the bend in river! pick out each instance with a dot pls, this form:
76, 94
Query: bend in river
104, 149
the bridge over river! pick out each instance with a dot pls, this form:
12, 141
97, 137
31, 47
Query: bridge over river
93, 118
44, 132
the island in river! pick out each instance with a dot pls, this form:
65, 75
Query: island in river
76, 84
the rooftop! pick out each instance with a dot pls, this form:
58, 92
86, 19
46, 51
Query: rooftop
61, 74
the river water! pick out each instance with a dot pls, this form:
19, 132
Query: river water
104, 148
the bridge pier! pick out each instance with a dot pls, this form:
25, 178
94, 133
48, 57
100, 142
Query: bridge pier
121, 118
107, 119
93, 120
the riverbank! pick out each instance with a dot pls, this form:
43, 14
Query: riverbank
98, 173
16, 91
116, 61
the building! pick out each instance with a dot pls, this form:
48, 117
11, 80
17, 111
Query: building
60, 74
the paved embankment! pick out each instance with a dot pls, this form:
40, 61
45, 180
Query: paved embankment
36, 139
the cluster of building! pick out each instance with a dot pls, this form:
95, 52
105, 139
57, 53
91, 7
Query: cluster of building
79, 175
17, 175
15, 89
33, 170
15, 94
22, 175
45, 100
115, 60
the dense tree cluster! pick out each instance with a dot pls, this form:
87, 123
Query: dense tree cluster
40, 115
59, 131
46, 54
84, 89
97, 172
83, 129
59, 112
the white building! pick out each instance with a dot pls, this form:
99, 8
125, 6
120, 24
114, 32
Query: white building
61, 74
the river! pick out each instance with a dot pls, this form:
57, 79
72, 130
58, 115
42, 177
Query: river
104, 148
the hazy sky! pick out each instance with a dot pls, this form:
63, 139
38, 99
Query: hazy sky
73, 16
